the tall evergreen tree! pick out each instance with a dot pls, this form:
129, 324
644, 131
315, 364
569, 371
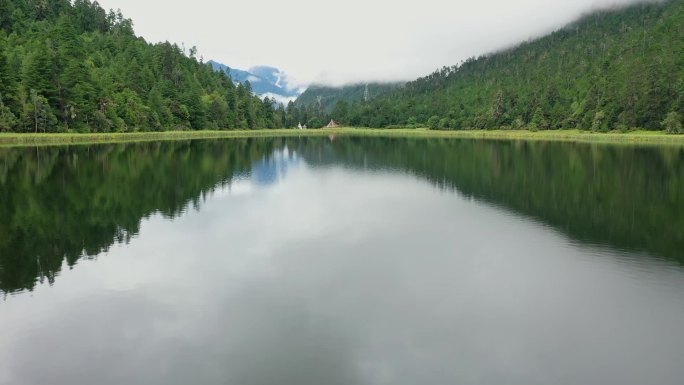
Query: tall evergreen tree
73, 66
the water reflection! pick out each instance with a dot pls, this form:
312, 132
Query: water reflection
62, 204
308, 261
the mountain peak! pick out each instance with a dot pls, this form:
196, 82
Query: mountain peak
266, 81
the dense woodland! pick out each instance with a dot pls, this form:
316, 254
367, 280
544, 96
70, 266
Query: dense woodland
75, 67
615, 69
325, 97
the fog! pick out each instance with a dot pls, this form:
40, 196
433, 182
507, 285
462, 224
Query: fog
350, 41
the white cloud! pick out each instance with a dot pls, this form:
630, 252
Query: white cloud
279, 98
290, 83
354, 40
279, 79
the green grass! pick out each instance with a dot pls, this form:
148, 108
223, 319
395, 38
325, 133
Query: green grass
32, 139
656, 137
645, 137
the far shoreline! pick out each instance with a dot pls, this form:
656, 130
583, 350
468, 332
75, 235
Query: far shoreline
58, 139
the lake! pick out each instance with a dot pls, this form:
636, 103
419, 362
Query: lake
342, 261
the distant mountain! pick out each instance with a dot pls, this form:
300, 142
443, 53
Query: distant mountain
329, 96
270, 74
237, 75
266, 81
272, 82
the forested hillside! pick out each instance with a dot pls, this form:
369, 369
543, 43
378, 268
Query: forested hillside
616, 69
329, 96
74, 67
77, 68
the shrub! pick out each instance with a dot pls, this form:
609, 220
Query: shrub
443, 124
599, 121
673, 123
433, 122
314, 123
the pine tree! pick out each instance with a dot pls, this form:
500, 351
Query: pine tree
538, 121
8, 84
41, 73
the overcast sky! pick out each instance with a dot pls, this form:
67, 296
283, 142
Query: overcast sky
346, 41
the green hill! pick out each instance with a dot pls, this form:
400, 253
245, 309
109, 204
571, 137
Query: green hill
614, 69
318, 104
329, 96
76, 67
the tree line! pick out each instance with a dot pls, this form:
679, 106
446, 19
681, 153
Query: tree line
74, 67
617, 69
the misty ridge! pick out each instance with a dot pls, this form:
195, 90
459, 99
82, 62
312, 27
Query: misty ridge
595, 8
616, 69
487, 36
599, 8
386, 42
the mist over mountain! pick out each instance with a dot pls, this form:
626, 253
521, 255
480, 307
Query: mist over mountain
614, 69
266, 81
328, 96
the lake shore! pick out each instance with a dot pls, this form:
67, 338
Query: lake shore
632, 137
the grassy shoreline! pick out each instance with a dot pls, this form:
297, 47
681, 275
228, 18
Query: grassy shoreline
634, 137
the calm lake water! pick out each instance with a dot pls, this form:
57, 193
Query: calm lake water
348, 261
